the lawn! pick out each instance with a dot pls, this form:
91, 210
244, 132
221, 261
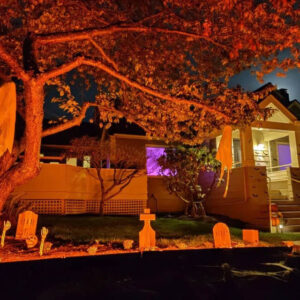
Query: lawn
85, 229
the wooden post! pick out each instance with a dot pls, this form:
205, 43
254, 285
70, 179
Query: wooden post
247, 147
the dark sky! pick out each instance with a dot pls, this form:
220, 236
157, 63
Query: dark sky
291, 82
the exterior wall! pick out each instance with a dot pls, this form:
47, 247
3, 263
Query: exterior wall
247, 198
159, 198
60, 189
137, 142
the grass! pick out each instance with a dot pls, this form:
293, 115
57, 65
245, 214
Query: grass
169, 231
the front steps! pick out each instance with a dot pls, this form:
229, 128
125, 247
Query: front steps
291, 214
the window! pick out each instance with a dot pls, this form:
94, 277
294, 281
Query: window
153, 153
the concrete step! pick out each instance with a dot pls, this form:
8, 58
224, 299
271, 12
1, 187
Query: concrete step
282, 202
291, 221
278, 195
291, 214
288, 207
291, 228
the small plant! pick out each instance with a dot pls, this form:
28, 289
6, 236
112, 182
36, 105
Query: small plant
182, 167
126, 163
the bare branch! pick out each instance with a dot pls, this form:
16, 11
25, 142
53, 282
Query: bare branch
120, 189
82, 61
13, 64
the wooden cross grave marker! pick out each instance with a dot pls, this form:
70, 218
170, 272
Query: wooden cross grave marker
147, 234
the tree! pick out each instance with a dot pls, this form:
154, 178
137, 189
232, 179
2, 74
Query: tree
125, 164
182, 168
162, 64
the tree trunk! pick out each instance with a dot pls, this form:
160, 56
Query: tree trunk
29, 166
203, 212
101, 207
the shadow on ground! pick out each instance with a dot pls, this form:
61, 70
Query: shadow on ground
189, 274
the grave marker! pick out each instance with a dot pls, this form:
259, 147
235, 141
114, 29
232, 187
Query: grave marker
250, 236
221, 236
27, 222
147, 234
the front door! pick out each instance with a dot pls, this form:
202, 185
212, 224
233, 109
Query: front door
284, 155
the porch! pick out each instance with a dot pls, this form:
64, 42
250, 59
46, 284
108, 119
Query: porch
277, 151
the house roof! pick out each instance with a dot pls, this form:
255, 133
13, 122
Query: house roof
282, 100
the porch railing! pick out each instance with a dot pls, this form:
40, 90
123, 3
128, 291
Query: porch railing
278, 168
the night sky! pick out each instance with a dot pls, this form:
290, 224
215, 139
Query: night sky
291, 82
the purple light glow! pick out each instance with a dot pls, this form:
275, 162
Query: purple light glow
153, 153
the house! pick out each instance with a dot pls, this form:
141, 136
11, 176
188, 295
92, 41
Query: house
265, 170
65, 185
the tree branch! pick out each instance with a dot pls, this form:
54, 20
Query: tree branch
11, 62
86, 34
74, 122
77, 120
109, 60
82, 61
120, 189
95, 14
106, 57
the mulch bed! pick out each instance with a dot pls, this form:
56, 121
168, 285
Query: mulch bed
16, 250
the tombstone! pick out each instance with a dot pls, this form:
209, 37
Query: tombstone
147, 234
27, 222
250, 236
221, 236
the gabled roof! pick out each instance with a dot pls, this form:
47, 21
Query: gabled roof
280, 98
283, 112
294, 107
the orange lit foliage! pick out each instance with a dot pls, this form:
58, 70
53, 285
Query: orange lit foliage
165, 65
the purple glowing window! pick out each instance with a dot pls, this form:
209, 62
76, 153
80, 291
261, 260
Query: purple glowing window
153, 153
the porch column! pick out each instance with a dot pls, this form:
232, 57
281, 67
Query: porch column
247, 147
296, 162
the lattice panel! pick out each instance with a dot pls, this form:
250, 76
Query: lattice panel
124, 207
74, 206
47, 206
92, 206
